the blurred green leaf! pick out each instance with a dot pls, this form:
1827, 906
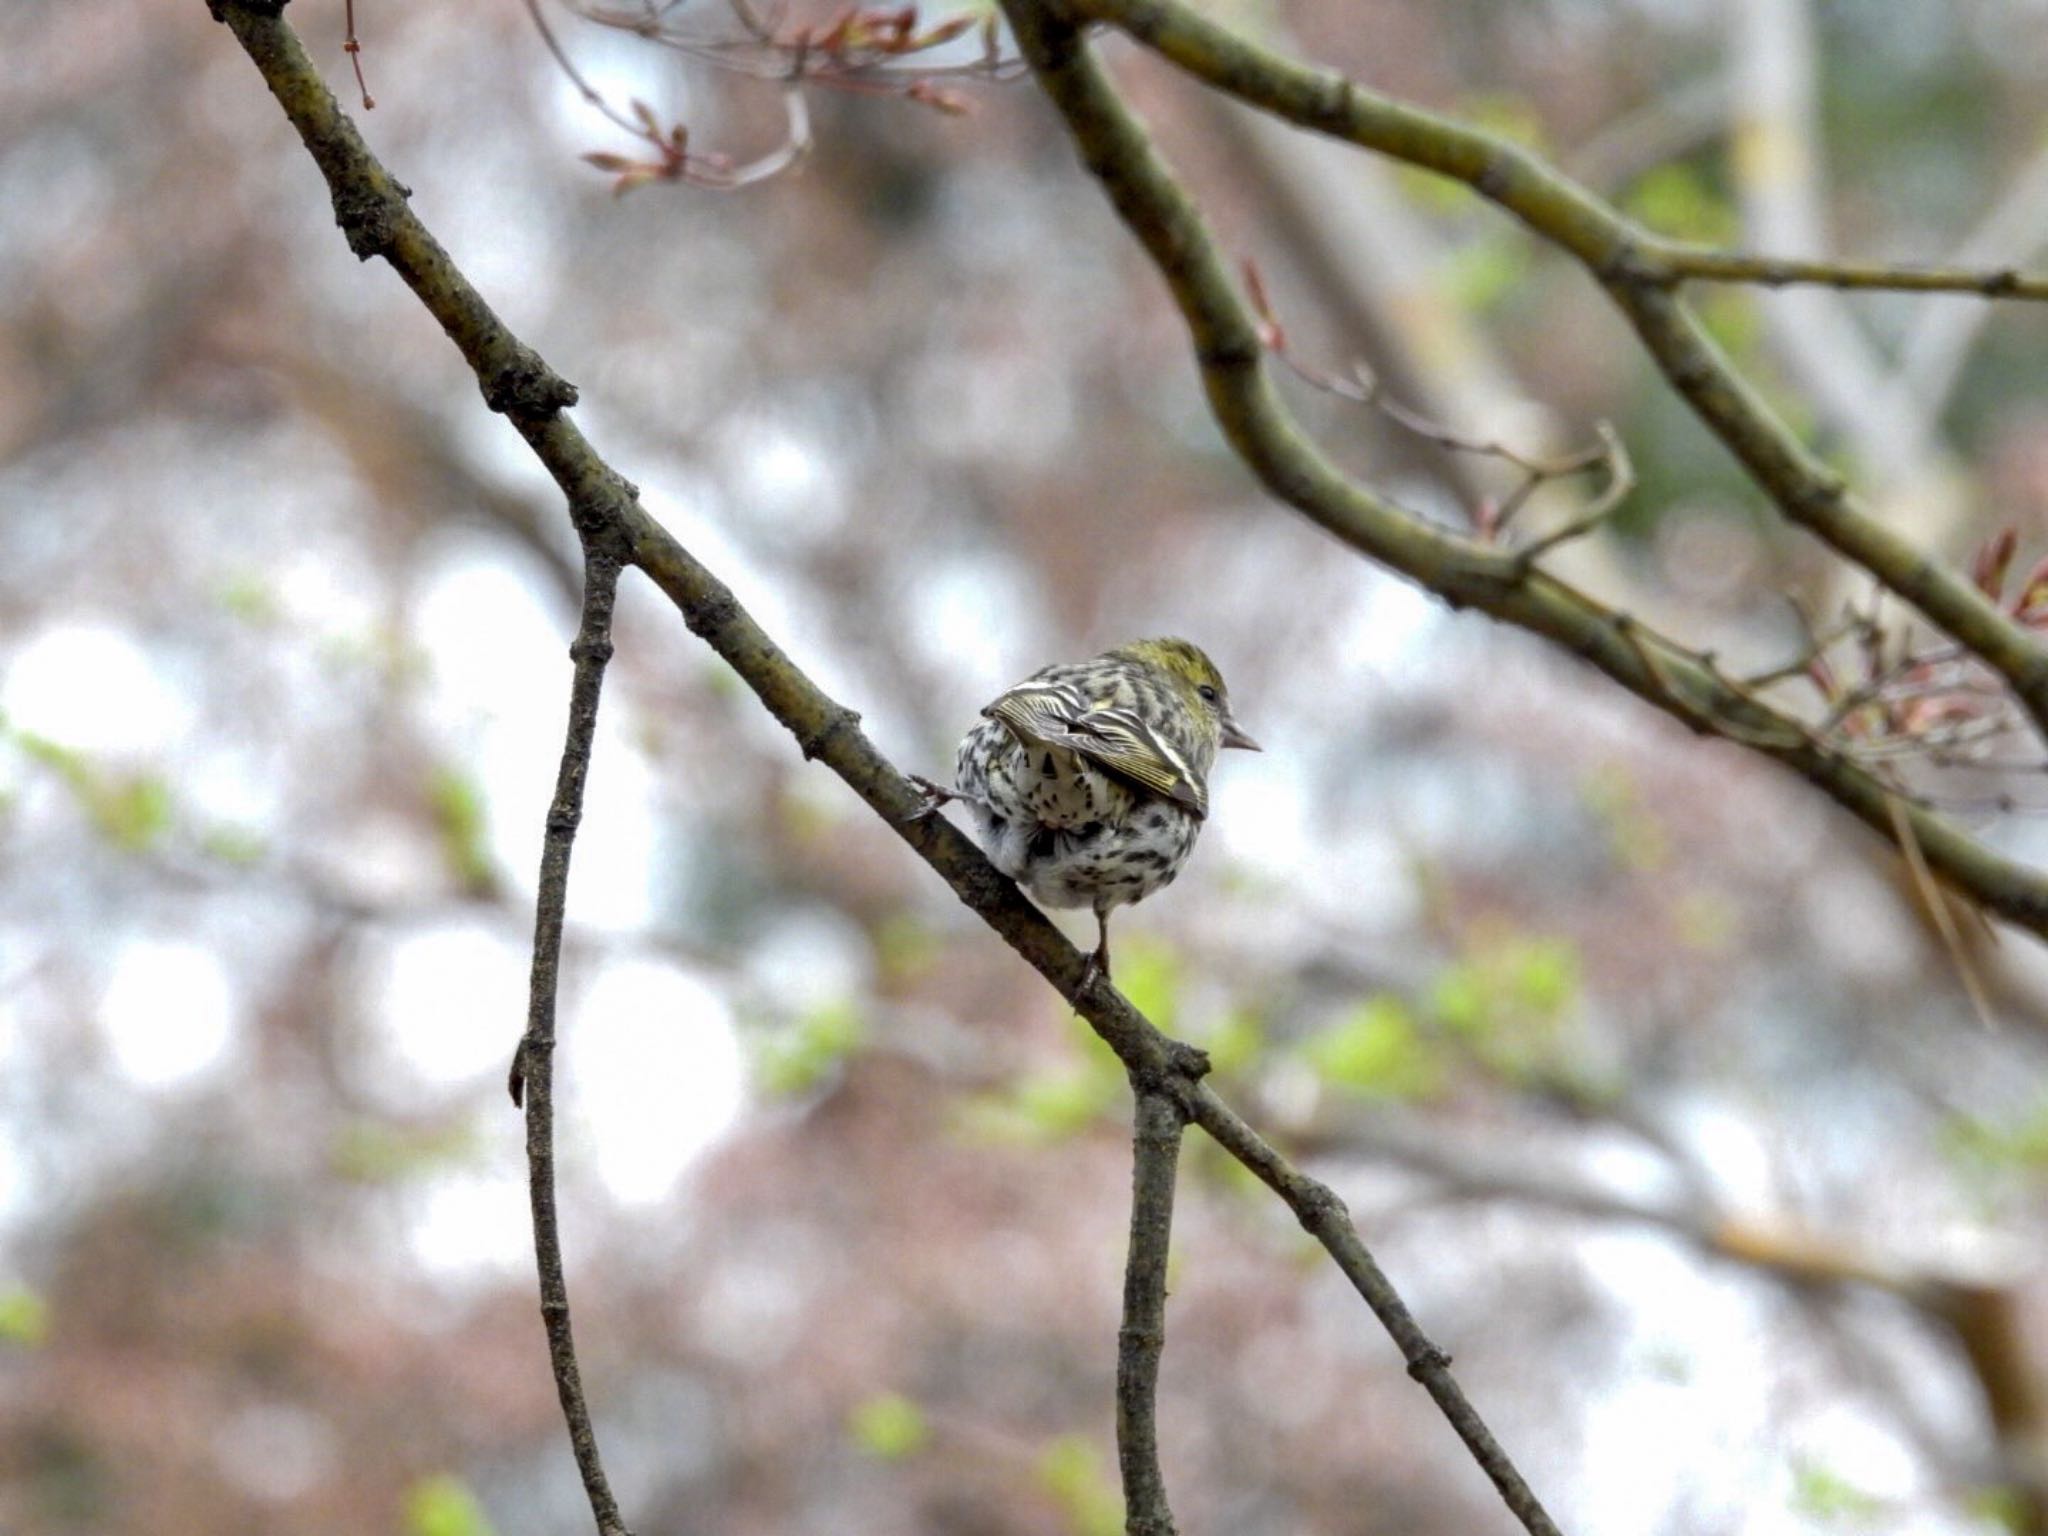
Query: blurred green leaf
1507, 1000
1477, 275
1072, 1472
1149, 973
1459, 1000
1675, 199
2002, 1508
248, 597
1046, 1106
1827, 1495
1233, 1041
130, 811
905, 947
797, 1057
444, 1506
889, 1426
377, 1152
1986, 1146
133, 813
1377, 1051
1543, 975
457, 803
24, 1317
1505, 116
1732, 318
240, 846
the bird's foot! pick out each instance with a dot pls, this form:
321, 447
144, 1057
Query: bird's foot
1097, 968
935, 796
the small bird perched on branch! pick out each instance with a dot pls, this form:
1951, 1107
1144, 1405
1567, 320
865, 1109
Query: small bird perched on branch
1088, 781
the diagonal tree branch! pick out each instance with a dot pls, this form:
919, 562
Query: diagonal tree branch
1230, 352
371, 208
1324, 1216
1639, 273
1155, 1141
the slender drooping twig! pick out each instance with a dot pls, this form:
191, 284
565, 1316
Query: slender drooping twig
1155, 1142
533, 1072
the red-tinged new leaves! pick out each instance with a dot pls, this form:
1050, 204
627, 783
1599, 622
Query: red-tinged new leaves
628, 173
952, 103
868, 49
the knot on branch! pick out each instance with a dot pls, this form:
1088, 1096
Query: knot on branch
1819, 495
712, 612
1133, 1336
1319, 1206
1495, 177
1630, 265
1428, 1361
595, 514
527, 388
1237, 354
838, 720
368, 215
1181, 1067
581, 650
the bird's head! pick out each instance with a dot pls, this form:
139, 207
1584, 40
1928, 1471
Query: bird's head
1194, 676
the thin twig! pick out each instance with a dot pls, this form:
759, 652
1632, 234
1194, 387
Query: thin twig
353, 47
532, 1073
1323, 1215
1155, 1140
1701, 264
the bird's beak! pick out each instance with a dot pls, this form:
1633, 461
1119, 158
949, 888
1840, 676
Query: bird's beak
1234, 736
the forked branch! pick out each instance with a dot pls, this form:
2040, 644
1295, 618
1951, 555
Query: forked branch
373, 212
1638, 271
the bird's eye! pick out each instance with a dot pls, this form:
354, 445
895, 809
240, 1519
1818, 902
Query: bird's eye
1207, 692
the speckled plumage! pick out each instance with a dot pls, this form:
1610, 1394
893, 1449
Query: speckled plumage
1087, 783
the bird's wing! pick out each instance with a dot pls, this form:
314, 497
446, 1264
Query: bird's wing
1056, 714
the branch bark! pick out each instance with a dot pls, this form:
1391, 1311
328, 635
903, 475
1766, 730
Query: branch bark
370, 206
1155, 1142
1231, 355
1640, 273
533, 1070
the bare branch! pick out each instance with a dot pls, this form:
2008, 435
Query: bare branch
1227, 338
1155, 1139
1639, 273
1319, 1210
517, 382
532, 1073
1680, 262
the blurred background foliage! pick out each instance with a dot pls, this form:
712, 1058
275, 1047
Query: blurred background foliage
1642, 1070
